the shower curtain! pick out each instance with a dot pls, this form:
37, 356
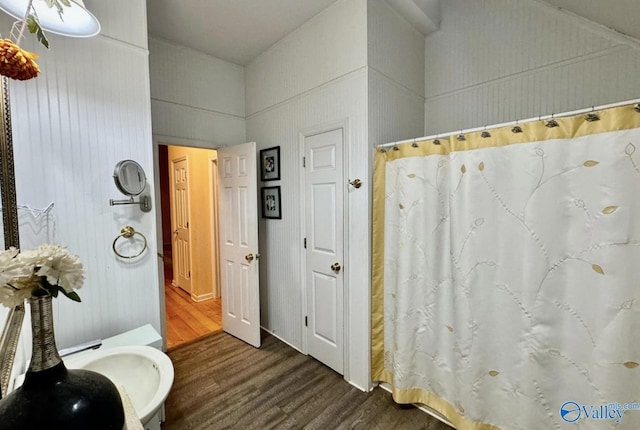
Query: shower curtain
506, 280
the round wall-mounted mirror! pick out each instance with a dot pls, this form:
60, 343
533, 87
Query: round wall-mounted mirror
129, 177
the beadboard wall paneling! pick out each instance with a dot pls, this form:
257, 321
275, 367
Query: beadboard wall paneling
395, 49
185, 125
187, 77
196, 99
485, 40
132, 29
328, 46
495, 61
396, 75
87, 110
281, 294
395, 113
590, 82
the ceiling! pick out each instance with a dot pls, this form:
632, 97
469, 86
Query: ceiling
239, 30
233, 30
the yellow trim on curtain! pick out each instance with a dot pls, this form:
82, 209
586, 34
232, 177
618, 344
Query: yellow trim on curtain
424, 397
613, 119
377, 287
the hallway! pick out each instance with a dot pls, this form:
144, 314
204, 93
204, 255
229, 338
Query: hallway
188, 320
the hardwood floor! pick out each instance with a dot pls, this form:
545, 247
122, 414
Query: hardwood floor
188, 320
223, 383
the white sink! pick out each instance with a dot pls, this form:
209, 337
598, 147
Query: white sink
145, 373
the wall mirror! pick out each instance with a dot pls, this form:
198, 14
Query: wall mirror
131, 181
13, 325
129, 177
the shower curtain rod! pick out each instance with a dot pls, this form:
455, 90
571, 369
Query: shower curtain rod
513, 123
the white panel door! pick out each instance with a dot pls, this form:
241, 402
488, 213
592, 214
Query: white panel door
181, 243
324, 253
238, 203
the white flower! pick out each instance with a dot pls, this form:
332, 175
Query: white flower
10, 267
13, 297
49, 268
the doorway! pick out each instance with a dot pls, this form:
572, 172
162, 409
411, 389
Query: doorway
189, 242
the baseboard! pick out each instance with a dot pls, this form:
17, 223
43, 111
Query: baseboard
202, 297
364, 390
174, 283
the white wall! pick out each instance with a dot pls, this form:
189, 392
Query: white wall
196, 99
316, 77
396, 75
325, 48
495, 61
87, 110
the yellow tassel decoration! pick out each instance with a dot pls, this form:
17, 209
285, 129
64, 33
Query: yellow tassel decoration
16, 63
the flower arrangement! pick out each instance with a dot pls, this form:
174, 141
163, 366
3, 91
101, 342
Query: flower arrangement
15, 62
46, 270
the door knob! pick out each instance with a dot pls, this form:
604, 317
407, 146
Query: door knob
249, 257
336, 267
356, 183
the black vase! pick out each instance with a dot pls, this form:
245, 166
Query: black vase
53, 397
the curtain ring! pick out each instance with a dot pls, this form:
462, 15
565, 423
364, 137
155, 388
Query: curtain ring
592, 117
128, 232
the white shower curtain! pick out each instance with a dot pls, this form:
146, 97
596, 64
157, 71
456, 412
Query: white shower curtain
507, 274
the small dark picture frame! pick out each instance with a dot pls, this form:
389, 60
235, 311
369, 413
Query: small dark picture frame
270, 164
271, 206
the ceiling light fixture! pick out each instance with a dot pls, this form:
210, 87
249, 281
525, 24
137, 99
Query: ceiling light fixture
76, 20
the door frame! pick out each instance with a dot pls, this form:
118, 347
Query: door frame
166, 141
159, 255
302, 135
215, 223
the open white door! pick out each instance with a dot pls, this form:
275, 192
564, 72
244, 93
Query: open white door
238, 192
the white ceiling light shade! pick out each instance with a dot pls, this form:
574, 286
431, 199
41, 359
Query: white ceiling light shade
76, 20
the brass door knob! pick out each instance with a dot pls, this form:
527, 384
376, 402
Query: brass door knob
249, 257
336, 267
356, 183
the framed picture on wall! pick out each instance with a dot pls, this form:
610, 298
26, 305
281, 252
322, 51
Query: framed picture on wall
270, 164
271, 206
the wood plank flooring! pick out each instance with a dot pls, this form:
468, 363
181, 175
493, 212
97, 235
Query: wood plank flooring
188, 320
223, 383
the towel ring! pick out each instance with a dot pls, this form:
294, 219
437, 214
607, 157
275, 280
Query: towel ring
128, 232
